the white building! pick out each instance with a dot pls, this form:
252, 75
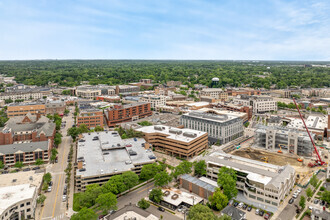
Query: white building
154, 100
260, 182
216, 93
260, 104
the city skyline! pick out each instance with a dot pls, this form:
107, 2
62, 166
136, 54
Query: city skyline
226, 30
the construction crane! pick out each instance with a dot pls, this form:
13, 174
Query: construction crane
318, 158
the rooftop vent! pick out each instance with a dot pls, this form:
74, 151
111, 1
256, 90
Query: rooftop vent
175, 131
190, 134
31, 178
175, 196
166, 193
159, 128
14, 180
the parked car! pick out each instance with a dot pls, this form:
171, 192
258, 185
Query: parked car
244, 206
235, 204
316, 201
299, 190
50, 183
26, 169
261, 213
291, 200
249, 208
49, 189
257, 211
240, 205
267, 216
161, 209
64, 198
5, 172
295, 196
36, 168
322, 203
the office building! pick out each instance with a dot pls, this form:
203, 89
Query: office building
183, 143
236, 108
216, 93
260, 182
91, 117
125, 113
320, 214
221, 128
173, 83
28, 128
92, 91
290, 140
107, 98
56, 106
260, 104
154, 100
21, 109
101, 155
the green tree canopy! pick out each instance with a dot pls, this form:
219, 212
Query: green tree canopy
325, 196
162, 178
218, 200
19, 164
309, 192
200, 168
98, 128
1, 165
130, 179
313, 181
39, 162
182, 168
148, 171
302, 202
84, 214
156, 195
143, 204
107, 201
201, 212
227, 181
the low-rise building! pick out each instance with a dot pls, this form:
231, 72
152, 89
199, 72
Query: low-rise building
281, 93
27, 153
236, 108
91, 117
319, 214
101, 155
173, 83
183, 143
107, 98
216, 93
233, 212
28, 128
260, 182
221, 128
21, 109
25, 94
56, 106
130, 212
260, 104
197, 186
125, 113
173, 199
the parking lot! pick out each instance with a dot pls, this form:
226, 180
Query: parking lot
251, 213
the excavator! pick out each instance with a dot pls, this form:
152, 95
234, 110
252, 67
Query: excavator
265, 159
280, 150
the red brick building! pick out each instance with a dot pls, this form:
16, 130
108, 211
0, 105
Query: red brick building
236, 108
28, 128
91, 118
107, 98
125, 113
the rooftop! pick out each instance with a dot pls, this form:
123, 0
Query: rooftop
183, 135
258, 171
127, 106
26, 103
13, 179
10, 195
130, 212
224, 112
199, 182
23, 147
212, 115
316, 122
110, 154
181, 197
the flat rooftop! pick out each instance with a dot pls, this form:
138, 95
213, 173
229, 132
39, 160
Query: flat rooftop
29, 177
182, 197
318, 122
110, 154
10, 195
224, 112
183, 135
212, 115
26, 103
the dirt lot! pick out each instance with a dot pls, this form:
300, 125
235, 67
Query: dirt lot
273, 158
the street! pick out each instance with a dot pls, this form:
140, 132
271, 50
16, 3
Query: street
54, 207
137, 195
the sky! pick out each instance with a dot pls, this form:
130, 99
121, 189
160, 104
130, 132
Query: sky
165, 29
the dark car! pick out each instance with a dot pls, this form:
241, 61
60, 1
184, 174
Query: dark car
50, 183
244, 206
64, 192
26, 169
161, 209
236, 204
261, 213
267, 216
249, 208
322, 203
5, 172
291, 201
36, 168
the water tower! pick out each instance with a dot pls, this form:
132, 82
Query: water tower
215, 82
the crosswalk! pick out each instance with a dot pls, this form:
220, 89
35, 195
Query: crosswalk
62, 216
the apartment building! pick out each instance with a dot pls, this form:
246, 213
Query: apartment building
119, 89
183, 143
91, 117
289, 140
173, 83
215, 93
28, 128
56, 106
154, 100
101, 155
281, 93
125, 113
221, 128
260, 182
27, 152
236, 92
107, 98
260, 104
235, 108
21, 109
25, 94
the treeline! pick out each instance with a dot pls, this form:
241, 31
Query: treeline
112, 72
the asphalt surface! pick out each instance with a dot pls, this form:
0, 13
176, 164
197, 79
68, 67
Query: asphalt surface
137, 195
54, 208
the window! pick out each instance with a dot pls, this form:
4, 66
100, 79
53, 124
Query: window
22, 205
28, 210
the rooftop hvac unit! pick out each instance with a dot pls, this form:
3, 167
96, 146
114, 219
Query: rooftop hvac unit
159, 128
190, 134
175, 131
166, 193
175, 196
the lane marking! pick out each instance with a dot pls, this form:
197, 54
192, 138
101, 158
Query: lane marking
144, 189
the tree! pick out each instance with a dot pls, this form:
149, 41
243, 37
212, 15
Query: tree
115, 185
162, 179
1, 165
19, 164
313, 181
148, 171
201, 212
218, 200
41, 199
98, 128
182, 168
39, 162
66, 111
302, 202
227, 181
107, 201
200, 168
47, 177
224, 217
130, 179
325, 196
145, 123
58, 139
156, 195
84, 214
83, 128
143, 204
309, 192
73, 132
246, 124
